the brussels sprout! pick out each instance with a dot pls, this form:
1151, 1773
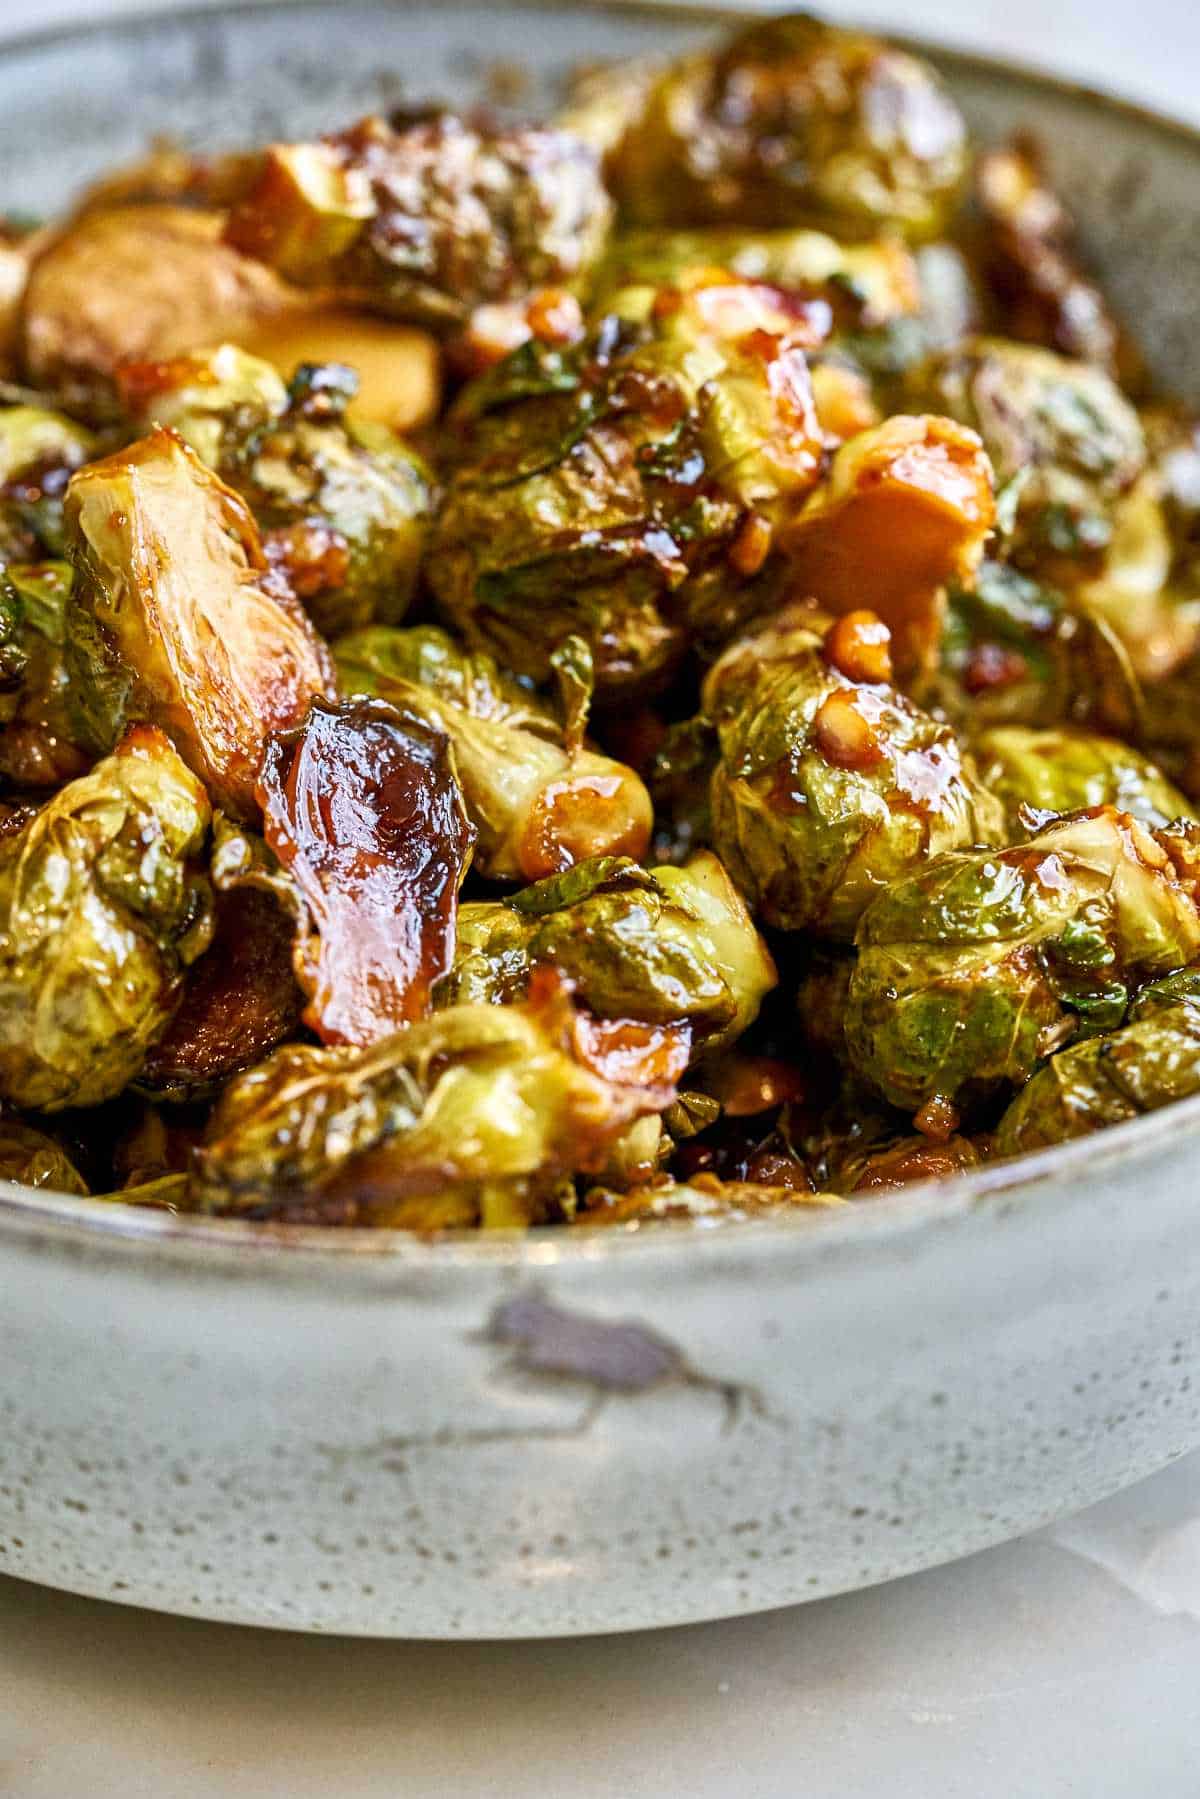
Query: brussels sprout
794, 121
1062, 431
32, 1159
1016, 652
239, 1001
906, 509
37, 727
879, 1161
603, 99
975, 967
537, 807
595, 484
137, 283
146, 1141
705, 1198
672, 947
1148, 1063
1029, 261
429, 221
1149, 602
679, 776
1037, 774
875, 281
344, 510
367, 844
101, 907
473, 1116
829, 784
173, 620
213, 398
39, 450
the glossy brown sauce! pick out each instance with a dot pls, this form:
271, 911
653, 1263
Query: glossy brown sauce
362, 809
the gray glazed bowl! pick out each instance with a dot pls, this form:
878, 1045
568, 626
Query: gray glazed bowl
358, 1432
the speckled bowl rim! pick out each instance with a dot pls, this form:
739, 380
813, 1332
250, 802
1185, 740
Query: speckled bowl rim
915, 1209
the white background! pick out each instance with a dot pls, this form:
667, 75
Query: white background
1065, 1665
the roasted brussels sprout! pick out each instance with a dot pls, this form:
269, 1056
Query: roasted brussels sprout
873, 282
136, 283
429, 221
830, 783
239, 1001
102, 906
979, 964
34, 1159
1029, 260
675, 946
173, 620
705, 1198
343, 509
906, 509
1085, 504
537, 806
367, 844
873, 1162
1016, 652
474, 1116
1148, 601
1037, 774
38, 745
1061, 430
39, 451
1150, 1062
794, 121
596, 483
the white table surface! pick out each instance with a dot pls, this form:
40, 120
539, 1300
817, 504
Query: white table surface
1066, 1664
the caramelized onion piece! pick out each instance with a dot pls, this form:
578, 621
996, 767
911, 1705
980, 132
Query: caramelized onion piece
362, 809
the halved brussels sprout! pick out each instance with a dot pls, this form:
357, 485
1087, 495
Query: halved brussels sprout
1150, 1062
1037, 774
794, 121
536, 805
672, 946
906, 509
975, 967
368, 845
173, 619
33, 1159
428, 221
829, 784
38, 746
594, 484
101, 908
344, 510
474, 1116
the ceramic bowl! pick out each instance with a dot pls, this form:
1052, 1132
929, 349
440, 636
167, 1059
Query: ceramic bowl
363, 1433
